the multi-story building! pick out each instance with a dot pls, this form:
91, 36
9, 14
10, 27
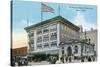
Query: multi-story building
48, 36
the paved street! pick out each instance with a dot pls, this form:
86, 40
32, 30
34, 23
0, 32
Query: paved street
36, 63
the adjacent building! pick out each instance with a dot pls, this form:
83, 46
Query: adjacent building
22, 51
92, 36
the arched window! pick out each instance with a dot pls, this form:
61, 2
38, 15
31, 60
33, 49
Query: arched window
76, 49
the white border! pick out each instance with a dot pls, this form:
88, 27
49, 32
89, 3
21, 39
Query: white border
5, 33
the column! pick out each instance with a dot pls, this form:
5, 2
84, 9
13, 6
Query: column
35, 40
58, 34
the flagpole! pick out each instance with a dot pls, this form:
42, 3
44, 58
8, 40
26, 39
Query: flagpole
59, 10
41, 13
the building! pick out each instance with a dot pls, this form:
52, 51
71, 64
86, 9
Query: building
47, 37
22, 51
92, 35
77, 51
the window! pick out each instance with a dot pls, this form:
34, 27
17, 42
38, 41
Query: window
31, 35
46, 45
53, 36
31, 48
32, 45
39, 32
54, 43
31, 42
62, 27
45, 30
39, 39
39, 46
53, 28
45, 37
76, 49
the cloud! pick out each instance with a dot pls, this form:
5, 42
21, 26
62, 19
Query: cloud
79, 19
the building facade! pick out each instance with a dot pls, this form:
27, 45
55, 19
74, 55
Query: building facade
48, 36
92, 35
22, 51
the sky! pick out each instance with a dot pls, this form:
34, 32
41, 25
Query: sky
85, 15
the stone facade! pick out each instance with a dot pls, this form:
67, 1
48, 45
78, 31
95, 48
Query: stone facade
92, 35
77, 51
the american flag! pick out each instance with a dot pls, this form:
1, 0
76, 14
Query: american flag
45, 8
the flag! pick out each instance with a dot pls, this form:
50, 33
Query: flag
45, 8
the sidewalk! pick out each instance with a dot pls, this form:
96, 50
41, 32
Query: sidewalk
39, 63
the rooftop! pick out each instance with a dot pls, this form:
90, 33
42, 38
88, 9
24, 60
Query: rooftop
59, 18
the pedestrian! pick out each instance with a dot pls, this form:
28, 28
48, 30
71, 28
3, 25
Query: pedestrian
62, 59
66, 59
58, 62
26, 62
53, 60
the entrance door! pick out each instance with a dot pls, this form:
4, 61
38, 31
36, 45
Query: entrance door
69, 51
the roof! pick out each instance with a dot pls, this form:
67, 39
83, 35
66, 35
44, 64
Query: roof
20, 48
59, 18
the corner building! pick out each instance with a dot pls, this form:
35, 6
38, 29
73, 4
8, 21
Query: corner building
56, 36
